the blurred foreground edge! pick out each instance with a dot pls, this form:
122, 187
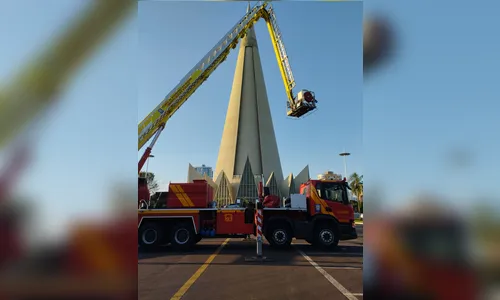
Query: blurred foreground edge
64, 287
97, 262
421, 253
99, 259
378, 43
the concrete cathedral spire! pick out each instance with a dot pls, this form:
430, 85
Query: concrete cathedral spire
249, 131
248, 146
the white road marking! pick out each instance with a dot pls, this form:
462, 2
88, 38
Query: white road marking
329, 277
357, 294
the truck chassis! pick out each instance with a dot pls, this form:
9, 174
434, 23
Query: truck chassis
183, 228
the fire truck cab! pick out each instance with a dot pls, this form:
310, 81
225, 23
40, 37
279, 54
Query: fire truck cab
328, 201
320, 214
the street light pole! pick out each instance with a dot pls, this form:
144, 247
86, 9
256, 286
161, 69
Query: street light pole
344, 154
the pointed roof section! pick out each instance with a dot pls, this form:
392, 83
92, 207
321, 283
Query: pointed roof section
290, 184
223, 193
195, 175
209, 181
247, 189
303, 176
272, 184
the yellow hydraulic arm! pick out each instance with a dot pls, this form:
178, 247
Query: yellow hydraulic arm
297, 105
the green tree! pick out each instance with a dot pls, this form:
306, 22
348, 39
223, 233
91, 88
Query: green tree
356, 185
153, 185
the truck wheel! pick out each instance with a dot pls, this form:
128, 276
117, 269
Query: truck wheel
326, 236
280, 235
150, 235
182, 236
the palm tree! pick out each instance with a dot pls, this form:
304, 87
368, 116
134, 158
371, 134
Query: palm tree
356, 185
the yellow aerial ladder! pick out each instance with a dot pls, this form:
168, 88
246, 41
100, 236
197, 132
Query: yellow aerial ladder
297, 106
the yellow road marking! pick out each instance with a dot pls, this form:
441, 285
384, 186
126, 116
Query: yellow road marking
180, 293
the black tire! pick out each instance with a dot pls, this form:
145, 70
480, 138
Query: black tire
279, 235
150, 235
326, 236
182, 236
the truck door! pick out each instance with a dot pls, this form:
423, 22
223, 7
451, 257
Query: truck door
335, 196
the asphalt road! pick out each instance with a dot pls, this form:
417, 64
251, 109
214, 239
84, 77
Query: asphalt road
299, 273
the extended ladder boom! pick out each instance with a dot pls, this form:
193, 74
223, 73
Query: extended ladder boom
279, 49
297, 106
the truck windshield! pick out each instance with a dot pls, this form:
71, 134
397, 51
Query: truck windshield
332, 191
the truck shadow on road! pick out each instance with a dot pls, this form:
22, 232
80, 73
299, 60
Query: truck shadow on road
236, 253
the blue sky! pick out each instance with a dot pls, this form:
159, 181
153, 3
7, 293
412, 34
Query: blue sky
325, 55
439, 94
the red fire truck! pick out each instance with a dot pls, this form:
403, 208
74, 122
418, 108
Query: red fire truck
320, 214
